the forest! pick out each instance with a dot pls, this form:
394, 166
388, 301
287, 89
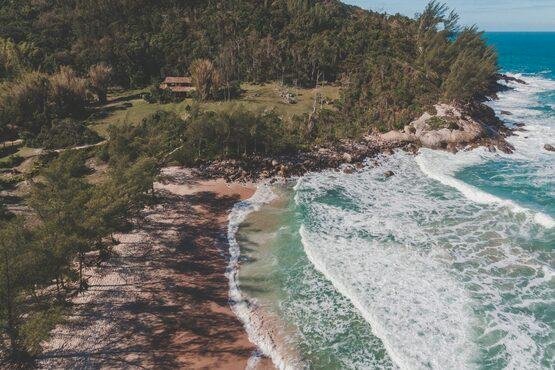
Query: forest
390, 67
60, 59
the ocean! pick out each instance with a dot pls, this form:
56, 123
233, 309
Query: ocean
448, 264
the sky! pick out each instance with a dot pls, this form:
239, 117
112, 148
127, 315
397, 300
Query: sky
488, 15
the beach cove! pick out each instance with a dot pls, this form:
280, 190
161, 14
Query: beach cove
161, 301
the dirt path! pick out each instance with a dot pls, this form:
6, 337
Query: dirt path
162, 302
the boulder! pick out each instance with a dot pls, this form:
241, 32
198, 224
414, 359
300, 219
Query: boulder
549, 147
411, 148
452, 148
389, 174
347, 157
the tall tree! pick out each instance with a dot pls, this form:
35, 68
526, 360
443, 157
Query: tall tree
206, 78
16, 267
99, 80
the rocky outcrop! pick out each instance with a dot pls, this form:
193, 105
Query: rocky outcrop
507, 79
453, 128
347, 155
496, 86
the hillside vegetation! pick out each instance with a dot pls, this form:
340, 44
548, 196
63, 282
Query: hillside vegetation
391, 68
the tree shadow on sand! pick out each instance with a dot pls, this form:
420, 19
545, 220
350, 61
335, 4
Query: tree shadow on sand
174, 307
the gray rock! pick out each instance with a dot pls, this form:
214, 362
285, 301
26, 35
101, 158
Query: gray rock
388, 151
549, 147
389, 174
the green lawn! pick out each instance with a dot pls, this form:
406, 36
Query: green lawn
129, 108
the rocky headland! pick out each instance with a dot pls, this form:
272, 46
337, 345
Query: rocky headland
448, 127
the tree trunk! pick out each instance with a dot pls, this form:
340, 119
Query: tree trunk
81, 283
11, 326
102, 97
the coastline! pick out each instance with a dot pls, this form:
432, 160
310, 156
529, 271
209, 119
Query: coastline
161, 300
262, 326
445, 127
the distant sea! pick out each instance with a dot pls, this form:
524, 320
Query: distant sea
449, 264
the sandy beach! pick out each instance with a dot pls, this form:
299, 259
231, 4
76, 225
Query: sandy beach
162, 300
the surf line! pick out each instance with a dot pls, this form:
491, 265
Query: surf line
243, 307
481, 197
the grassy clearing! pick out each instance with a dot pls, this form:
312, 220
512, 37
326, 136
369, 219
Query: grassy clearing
127, 106
131, 108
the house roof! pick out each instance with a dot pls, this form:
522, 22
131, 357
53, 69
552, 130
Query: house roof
177, 80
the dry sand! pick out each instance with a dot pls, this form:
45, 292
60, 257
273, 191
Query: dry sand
162, 301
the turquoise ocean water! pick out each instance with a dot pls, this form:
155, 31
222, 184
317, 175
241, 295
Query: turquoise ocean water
449, 264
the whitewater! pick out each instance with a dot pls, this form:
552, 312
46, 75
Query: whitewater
448, 264
447, 274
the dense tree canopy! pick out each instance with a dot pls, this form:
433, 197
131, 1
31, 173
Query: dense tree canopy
295, 41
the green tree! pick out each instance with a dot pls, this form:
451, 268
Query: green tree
99, 80
206, 78
16, 266
60, 201
473, 68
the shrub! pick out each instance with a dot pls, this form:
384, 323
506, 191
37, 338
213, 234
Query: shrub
437, 123
24, 102
33, 100
157, 95
229, 91
63, 134
68, 93
11, 161
99, 80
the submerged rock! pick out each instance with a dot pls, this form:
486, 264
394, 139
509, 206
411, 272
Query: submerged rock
549, 147
388, 174
348, 170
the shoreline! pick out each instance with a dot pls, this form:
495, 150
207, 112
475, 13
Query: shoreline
162, 299
464, 128
260, 325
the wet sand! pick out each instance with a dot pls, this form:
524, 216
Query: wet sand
162, 300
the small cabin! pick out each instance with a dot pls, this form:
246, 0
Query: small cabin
178, 85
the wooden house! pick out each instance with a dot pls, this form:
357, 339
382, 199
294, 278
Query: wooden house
178, 85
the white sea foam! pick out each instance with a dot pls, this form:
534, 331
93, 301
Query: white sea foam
443, 282
420, 312
522, 102
442, 167
246, 308
436, 276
